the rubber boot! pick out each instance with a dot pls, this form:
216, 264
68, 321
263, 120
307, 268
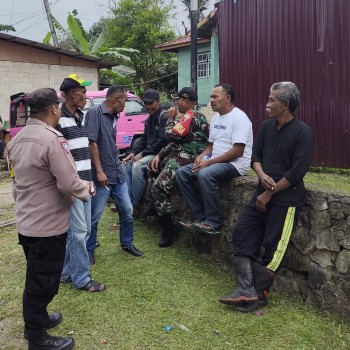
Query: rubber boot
263, 279
168, 229
41, 340
245, 291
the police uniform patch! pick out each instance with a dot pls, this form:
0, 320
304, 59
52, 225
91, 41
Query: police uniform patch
65, 146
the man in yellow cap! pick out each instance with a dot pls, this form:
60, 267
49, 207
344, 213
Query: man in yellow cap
76, 268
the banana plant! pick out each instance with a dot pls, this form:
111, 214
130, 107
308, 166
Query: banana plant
92, 48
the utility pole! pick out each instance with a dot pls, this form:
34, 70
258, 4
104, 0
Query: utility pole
52, 28
194, 37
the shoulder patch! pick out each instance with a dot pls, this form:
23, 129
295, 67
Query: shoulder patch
65, 146
182, 128
187, 115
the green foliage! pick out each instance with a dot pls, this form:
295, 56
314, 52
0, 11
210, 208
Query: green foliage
108, 78
47, 38
77, 34
142, 24
7, 28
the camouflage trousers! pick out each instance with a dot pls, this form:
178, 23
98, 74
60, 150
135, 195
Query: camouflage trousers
163, 182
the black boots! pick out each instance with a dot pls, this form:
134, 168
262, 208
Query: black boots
263, 279
245, 291
168, 229
41, 340
54, 320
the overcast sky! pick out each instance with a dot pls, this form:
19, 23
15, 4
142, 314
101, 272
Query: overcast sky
30, 21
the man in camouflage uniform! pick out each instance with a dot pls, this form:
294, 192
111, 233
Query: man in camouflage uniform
186, 139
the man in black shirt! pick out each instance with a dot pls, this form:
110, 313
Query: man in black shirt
281, 157
149, 144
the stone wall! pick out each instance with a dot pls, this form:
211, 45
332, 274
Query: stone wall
316, 267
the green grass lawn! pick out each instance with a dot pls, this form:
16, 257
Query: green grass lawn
326, 180
168, 287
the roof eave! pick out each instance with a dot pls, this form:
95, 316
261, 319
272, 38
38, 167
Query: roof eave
34, 44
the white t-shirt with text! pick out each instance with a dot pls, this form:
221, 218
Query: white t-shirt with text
228, 129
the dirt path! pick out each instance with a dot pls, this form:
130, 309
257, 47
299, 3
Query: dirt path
7, 203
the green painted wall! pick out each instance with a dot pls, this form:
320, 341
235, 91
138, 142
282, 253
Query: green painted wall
205, 85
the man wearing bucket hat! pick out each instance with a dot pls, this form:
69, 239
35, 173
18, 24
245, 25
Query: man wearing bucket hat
76, 268
45, 179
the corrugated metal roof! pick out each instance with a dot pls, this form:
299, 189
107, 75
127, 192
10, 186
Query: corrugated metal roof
307, 42
99, 61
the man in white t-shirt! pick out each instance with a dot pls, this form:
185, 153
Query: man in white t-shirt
226, 156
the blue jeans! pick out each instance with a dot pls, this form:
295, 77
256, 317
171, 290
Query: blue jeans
98, 203
76, 263
136, 174
206, 207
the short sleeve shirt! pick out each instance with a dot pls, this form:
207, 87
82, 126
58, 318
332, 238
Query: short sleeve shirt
228, 129
99, 126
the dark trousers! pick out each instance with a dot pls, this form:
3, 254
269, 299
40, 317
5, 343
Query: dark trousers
271, 229
45, 257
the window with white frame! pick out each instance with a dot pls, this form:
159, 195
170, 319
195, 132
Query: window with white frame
203, 65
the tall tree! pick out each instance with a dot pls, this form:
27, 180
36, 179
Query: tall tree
142, 25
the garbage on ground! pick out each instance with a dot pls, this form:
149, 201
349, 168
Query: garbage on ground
182, 327
177, 325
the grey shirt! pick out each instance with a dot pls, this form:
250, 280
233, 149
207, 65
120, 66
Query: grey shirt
99, 127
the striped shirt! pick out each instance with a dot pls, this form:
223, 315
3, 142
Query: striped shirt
74, 132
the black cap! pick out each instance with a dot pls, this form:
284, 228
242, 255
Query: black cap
73, 81
150, 96
42, 98
187, 92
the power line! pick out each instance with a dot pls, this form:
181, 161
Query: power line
31, 25
150, 81
34, 14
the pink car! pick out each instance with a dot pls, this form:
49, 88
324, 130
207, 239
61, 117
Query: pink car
131, 121
129, 127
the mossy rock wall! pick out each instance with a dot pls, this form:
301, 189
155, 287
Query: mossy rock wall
316, 266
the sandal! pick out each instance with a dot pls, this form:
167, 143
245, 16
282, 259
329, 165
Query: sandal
208, 228
92, 286
189, 224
